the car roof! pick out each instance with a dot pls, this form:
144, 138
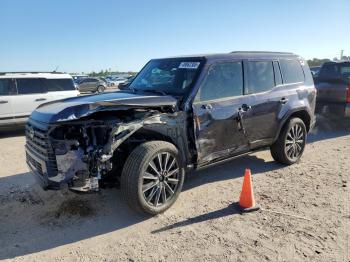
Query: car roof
47, 75
337, 62
242, 55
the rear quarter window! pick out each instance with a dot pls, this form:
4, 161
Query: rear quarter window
30, 86
59, 84
260, 77
292, 71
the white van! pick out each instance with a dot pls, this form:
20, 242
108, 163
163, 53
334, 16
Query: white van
21, 93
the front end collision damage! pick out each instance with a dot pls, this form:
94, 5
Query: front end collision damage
85, 150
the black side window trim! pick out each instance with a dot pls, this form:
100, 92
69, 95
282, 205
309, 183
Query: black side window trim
279, 72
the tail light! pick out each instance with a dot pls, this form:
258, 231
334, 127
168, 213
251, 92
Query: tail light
348, 95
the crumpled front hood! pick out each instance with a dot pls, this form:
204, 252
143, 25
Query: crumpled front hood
77, 107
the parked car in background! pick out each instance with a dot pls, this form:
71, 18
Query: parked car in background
333, 89
182, 114
91, 84
125, 85
115, 81
78, 78
21, 93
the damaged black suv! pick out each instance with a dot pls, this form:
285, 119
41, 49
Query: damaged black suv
179, 114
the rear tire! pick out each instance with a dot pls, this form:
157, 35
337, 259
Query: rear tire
291, 141
100, 89
152, 177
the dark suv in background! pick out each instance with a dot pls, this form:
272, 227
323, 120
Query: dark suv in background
179, 114
333, 89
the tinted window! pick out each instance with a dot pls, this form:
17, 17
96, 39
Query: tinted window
278, 77
30, 86
291, 71
335, 71
345, 70
59, 84
223, 80
260, 76
85, 80
6, 87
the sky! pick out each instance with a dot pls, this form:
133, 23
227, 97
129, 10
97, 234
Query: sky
86, 35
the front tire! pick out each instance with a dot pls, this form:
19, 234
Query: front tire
152, 177
291, 141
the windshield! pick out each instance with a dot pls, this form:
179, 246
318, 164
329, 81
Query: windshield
169, 76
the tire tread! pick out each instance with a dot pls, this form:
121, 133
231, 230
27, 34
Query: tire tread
132, 169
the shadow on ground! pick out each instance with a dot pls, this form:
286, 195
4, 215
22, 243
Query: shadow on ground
226, 211
231, 169
12, 132
32, 220
328, 128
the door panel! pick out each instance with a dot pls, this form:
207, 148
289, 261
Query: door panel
84, 86
261, 120
263, 100
57, 95
5, 106
31, 93
7, 92
88, 86
217, 130
24, 105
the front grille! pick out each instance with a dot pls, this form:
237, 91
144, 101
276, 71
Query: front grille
38, 143
36, 164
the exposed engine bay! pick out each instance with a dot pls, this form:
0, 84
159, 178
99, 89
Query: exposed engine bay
86, 151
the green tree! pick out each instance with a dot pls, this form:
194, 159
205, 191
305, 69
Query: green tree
317, 61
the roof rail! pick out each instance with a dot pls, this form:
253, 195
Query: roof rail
25, 72
262, 52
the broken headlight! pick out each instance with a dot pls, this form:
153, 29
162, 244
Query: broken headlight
60, 148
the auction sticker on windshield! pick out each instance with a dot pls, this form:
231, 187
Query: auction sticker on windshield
189, 65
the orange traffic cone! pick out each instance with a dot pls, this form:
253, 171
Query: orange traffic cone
246, 200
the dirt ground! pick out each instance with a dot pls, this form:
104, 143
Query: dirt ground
305, 212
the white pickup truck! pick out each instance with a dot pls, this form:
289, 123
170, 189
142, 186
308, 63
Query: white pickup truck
21, 93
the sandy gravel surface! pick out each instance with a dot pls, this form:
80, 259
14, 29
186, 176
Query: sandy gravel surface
305, 216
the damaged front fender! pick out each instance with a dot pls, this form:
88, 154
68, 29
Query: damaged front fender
84, 150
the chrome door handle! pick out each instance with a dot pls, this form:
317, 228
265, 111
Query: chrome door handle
207, 106
283, 100
40, 99
245, 107
3, 101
